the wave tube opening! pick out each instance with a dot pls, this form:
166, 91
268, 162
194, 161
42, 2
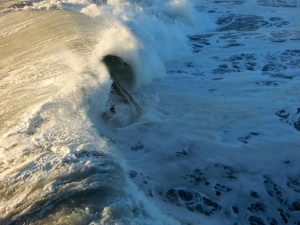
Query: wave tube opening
121, 108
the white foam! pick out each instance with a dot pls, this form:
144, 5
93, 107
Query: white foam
54, 151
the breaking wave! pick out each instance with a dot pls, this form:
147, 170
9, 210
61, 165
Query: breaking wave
69, 69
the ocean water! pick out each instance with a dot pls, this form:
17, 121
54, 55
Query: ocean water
149, 112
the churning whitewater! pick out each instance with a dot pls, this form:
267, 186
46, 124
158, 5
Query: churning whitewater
67, 70
149, 112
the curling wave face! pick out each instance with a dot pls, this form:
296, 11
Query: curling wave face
64, 74
54, 169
